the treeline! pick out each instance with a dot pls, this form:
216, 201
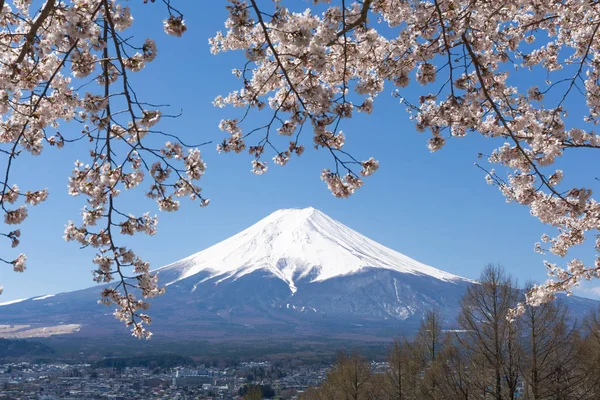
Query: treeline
541, 356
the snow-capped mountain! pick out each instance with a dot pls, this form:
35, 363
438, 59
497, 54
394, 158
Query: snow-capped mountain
295, 273
298, 244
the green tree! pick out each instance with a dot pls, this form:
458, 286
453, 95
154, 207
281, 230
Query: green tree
254, 393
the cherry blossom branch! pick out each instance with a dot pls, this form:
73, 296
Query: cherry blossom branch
509, 132
31, 34
332, 140
362, 19
39, 95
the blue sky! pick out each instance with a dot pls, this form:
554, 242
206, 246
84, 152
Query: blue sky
435, 208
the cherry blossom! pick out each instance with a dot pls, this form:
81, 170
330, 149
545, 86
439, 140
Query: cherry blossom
313, 66
46, 49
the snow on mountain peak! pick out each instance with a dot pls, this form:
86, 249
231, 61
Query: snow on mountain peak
294, 244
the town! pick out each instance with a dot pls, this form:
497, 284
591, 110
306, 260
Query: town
29, 381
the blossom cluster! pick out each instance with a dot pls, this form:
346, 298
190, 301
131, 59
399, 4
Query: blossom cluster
297, 66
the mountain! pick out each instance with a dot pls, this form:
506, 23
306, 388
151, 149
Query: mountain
297, 245
295, 273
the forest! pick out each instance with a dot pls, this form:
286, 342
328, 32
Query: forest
541, 355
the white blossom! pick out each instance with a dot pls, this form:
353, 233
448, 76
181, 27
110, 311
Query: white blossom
19, 263
259, 167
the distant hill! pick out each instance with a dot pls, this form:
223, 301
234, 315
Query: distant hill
21, 348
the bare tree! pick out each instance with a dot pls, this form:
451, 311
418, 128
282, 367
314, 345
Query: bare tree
350, 379
488, 333
430, 337
589, 355
549, 353
428, 344
402, 376
456, 371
